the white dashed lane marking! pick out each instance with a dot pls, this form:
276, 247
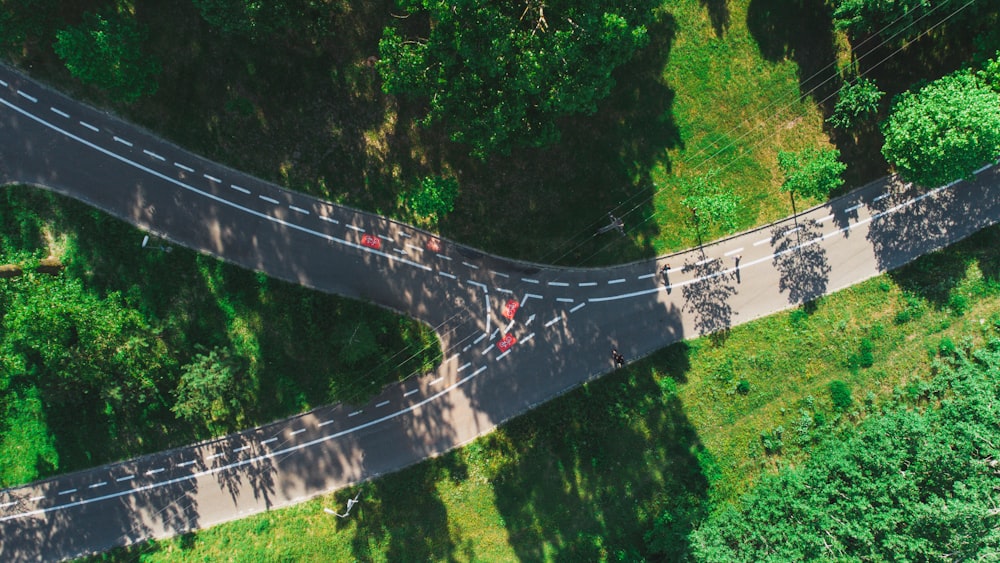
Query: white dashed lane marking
473, 266
269, 199
239, 189
577, 308
187, 463
355, 413
58, 111
564, 299
329, 220
619, 280
854, 208
154, 155
184, 168
559, 284
96, 485
212, 178
552, 322
529, 280
436, 381
269, 440
587, 284
89, 126
762, 241
299, 209
67, 492
122, 141
382, 404
443, 257
410, 392
734, 251
125, 478
31, 99
447, 275
155, 471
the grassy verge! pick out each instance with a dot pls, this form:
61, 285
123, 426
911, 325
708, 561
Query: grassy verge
291, 340
586, 476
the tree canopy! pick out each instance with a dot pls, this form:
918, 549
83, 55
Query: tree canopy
812, 172
709, 203
893, 20
907, 485
944, 131
496, 75
106, 50
856, 101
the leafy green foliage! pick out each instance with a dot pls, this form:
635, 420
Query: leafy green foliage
258, 18
497, 75
709, 203
864, 357
895, 21
840, 395
912, 485
434, 197
812, 172
214, 391
21, 20
944, 131
106, 50
743, 387
856, 101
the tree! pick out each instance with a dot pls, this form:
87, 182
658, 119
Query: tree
23, 20
258, 18
709, 203
944, 131
907, 484
106, 50
811, 173
896, 21
214, 391
856, 101
434, 197
497, 75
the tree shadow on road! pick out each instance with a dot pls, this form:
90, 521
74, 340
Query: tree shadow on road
707, 298
800, 260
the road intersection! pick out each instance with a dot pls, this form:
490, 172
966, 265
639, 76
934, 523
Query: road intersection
495, 366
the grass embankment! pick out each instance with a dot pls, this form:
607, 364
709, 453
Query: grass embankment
585, 476
289, 342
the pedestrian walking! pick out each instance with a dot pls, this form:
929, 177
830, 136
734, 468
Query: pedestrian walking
665, 272
737, 259
617, 357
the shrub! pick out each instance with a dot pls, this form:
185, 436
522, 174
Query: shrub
743, 387
840, 395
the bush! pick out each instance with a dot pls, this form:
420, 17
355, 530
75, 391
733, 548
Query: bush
958, 303
840, 395
743, 387
865, 356
434, 197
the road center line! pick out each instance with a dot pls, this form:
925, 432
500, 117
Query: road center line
96, 485
60, 112
269, 199
239, 189
529, 280
154, 155
125, 478
577, 308
619, 280
552, 322
854, 208
443, 257
382, 404
558, 284
762, 241
447, 275
564, 299
587, 284
66, 492
122, 141
212, 178
182, 167
31, 99
473, 266
734, 251
465, 365
89, 126
410, 392
299, 209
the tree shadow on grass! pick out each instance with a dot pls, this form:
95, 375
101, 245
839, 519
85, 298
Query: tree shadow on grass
718, 13
546, 204
801, 30
591, 475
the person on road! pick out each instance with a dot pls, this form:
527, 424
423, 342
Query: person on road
617, 357
665, 272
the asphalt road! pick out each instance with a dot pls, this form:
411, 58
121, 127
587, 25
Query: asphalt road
566, 324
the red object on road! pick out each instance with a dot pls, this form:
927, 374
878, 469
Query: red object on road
371, 241
510, 309
434, 245
506, 342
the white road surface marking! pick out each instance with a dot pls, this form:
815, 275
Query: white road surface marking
645, 276
619, 280
269, 440
182, 167
410, 392
552, 322
97, 485
329, 220
559, 284
734, 251
31, 99
211, 178
762, 241
501, 274
241, 449
465, 365
564, 299
125, 478
577, 308
473, 266
527, 338
447, 275
436, 381
89, 126
854, 208
154, 155
299, 431
355, 227
269, 199
443, 257
587, 284
67, 492
529, 280
824, 219
122, 141
480, 339
412, 247
382, 404
299, 209
355, 413
187, 463
502, 356
239, 189
57, 111
885, 195
155, 471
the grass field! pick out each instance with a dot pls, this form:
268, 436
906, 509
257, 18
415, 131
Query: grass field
583, 477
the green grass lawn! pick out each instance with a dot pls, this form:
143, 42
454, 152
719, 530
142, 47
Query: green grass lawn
583, 477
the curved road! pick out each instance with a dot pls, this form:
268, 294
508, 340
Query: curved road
562, 333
